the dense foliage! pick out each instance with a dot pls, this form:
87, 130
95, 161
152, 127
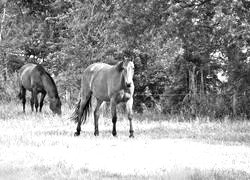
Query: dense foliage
180, 47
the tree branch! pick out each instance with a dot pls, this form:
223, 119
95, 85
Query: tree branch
2, 21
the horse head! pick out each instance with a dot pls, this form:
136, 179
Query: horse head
126, 67
55, 105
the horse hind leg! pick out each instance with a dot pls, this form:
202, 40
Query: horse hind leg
79, 116
41, 100
36, 103
82, 108
114, 117
22, 95
96, 116
78, 129
34, 100
76, 118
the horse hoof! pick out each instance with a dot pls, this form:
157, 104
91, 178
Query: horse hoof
96, 133
114, 134
131, 136
77, 134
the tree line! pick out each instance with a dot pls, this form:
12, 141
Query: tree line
180, 47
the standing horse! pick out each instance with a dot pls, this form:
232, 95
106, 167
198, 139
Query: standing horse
34, 78
106, 83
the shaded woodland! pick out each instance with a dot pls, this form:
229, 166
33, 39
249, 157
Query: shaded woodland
191, 56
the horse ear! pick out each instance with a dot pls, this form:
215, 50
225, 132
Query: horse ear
120, 66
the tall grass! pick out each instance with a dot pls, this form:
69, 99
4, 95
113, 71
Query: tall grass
42, 146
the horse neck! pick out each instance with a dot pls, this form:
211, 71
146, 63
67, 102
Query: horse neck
119, 80
49, 86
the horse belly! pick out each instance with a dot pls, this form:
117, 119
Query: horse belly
100, 91
100, 88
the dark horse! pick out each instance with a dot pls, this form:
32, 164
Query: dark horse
34, 78
106, 83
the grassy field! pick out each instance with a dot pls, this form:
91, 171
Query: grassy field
42, 146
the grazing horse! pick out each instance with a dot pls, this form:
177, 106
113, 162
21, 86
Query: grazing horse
34, 78
108, 83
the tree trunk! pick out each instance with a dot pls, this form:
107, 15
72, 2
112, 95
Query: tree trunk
193, 82
234, 103
193, 90
233, 54
2, 22
202, 83
67, 97
5, 72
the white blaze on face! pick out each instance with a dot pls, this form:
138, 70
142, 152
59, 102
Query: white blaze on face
128, 72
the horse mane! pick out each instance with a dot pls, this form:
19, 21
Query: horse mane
119, 66
43, 71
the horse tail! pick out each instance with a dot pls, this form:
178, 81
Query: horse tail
75, 114
86, 109
82, 110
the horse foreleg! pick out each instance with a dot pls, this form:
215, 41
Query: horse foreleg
114, 117
129, 106
96, 116
23, 96
41, 100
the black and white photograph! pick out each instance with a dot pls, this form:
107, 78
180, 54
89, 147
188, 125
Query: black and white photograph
124, 89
